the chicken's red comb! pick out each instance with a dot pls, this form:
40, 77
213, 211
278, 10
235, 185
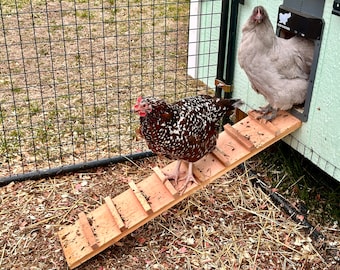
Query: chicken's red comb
139, 99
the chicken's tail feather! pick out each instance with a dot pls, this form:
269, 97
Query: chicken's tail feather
230, 103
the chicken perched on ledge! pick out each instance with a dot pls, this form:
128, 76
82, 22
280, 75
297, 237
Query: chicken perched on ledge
185, 130
277, 68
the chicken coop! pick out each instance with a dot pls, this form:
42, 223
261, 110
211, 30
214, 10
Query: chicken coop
316, 20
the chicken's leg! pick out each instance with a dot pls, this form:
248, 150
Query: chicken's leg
175, 176
270, 116
189, 178
268, 113
175, 173
265, 109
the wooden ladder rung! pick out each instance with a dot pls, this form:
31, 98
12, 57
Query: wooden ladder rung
87, 231
159, 173
114, 212
146, 206
173, 191
264, 123
239, 137
198, 174
221, 156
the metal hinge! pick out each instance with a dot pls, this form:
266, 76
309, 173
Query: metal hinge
221, 84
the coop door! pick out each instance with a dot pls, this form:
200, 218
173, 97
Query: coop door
303, 18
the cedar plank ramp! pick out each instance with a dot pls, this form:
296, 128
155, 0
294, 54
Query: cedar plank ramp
143, 201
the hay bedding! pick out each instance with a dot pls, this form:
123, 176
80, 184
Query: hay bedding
228, 225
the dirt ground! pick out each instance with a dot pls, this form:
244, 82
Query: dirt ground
228, 225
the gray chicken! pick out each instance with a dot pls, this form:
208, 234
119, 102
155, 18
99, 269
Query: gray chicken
277, 68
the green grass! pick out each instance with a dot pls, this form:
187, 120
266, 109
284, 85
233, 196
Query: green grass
17, 90
9, 6
35, 108
84, 14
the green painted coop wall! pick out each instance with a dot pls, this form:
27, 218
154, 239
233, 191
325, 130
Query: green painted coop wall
318, 138
204, 39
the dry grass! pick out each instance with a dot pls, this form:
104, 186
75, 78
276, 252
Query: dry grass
228, 225
70, 72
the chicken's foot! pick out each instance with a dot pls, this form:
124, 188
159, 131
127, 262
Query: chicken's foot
174, 175
270, 116
268, 113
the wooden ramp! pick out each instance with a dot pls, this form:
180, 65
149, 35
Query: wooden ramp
121, 215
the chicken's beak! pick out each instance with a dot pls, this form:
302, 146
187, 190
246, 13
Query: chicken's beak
136, 109
258, 16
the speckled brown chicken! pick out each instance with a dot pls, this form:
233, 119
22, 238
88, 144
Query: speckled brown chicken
185, 130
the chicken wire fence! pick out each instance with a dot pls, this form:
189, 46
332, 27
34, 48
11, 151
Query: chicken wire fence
70, 72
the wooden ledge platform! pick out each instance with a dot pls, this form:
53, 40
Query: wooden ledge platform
143, 201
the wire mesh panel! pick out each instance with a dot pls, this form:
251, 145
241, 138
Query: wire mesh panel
70, 71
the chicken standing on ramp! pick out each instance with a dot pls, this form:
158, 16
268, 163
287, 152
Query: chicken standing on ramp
185, 130
277, 68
